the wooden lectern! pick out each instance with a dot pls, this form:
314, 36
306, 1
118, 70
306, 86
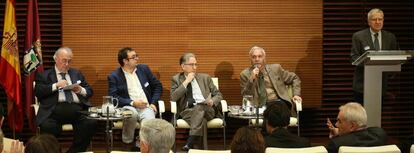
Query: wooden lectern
375, 63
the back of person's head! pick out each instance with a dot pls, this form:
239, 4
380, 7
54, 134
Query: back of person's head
43, 143
158, 134
248, 140
354, 112
277, 114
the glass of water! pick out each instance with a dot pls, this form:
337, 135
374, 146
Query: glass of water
247, 103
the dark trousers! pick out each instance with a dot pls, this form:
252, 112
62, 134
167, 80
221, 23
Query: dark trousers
68, 113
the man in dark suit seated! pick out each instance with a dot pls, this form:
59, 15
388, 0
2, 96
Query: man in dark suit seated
196, 95
136, 88
276, 117
351, 129
60, 105
372, 38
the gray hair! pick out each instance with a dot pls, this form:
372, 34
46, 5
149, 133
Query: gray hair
354, 112
185, 57
374, 10
158, 134
61, 49
254, 48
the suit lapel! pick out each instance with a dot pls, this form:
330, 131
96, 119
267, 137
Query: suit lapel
52, 75
142, 79
73, 76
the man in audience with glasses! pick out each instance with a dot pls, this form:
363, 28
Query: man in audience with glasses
351, 129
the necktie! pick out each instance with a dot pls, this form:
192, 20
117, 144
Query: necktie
376, 42
262, 91
68, 93
190, 98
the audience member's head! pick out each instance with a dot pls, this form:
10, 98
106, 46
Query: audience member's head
351, 117
43, 143
248, 140
156, 136
276, 115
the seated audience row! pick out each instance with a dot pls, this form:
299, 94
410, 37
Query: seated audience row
349, 130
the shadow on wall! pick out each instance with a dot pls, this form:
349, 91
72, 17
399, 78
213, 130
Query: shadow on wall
229, 87
310, 70
98, 82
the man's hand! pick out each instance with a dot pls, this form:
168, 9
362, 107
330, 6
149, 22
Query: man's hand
61, 83
333, 131
17, 147
189, 78
255, 73
153, 107
140, 104
296, 99
209, 102
77, 88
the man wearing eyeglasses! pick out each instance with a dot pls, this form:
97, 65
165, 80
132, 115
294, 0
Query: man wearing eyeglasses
61, 103
196, 96
136, 88
372, 38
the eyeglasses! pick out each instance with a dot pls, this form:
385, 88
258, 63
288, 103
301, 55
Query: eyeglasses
65, 61
133, 57
192, 64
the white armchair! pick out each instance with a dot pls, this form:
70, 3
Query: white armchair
376, 149
208, 151
214, 123
316, 149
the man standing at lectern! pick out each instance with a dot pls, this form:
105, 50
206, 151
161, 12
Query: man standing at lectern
372, 38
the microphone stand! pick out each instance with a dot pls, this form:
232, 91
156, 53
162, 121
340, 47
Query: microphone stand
108, 132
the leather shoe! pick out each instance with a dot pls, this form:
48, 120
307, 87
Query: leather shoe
186, 148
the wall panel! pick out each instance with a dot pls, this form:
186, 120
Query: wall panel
220, 33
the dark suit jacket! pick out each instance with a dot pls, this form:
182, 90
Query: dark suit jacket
178, 91
282, 138
360, 41
48, 98
373, 136
117, 85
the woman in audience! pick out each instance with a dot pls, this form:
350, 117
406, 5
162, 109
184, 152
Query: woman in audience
248, 140
43, 143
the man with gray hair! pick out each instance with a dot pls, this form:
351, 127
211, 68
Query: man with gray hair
197, 97
268, 83
351, 129
156, 136
372, 38
60, 103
